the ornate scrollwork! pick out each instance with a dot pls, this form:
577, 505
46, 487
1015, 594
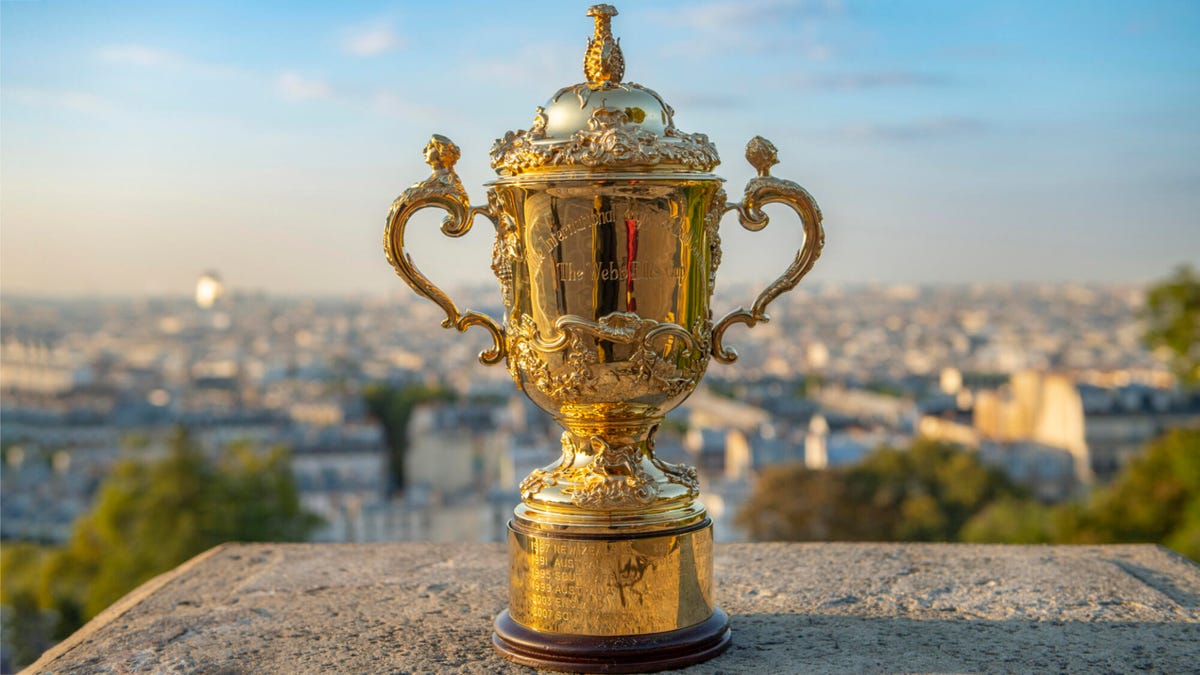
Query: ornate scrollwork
539, 479
712, 231
621, 327
680, 474
540, 120
667, 358
444, 190
611, 140
614, 478
762, 190
655, 368
614, 138
527, 360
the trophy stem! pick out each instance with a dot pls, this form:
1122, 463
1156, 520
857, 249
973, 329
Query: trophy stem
608, 472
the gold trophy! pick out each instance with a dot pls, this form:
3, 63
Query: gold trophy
606, 249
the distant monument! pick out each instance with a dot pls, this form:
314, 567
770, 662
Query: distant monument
208, 290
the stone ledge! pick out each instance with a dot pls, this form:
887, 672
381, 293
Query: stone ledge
304, 608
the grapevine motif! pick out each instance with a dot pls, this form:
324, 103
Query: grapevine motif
506, 249
712, 230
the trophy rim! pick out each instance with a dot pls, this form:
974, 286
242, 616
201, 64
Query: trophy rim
589, 175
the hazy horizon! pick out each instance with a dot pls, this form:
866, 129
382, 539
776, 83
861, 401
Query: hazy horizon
404, 294
990, 142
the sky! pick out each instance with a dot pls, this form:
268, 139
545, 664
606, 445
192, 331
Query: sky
142, 144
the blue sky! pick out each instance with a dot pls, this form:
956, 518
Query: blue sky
142, 143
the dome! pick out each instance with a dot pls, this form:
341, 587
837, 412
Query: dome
603, 124
569, 111
208, 290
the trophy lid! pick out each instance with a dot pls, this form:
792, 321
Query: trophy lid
603, 124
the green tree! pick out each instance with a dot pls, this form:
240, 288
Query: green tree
926, 492
793, 503
1172, 316
1014, 521
25, 626
1156, 498
149, 518
393, 407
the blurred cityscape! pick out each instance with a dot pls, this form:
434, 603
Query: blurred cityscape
1050, 383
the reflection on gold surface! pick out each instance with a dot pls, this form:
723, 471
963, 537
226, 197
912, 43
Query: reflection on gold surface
607, 248
610, 586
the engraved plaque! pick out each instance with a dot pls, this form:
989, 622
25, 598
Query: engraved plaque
611, 586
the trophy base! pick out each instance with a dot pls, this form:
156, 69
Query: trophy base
611, 598
612, 653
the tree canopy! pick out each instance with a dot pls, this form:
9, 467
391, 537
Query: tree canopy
393, 407
1172, 316
1156, 498
925, 493
939, 492
148, 518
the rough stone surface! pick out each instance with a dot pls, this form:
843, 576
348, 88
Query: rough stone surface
857, 608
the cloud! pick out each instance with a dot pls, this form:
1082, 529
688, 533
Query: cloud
978, 51
157, 58
696, 99
1144, 26
371, 40
869, 80
776, 27
934, 127
140, 55
77, 101
726, 14
818, 52
533, 62
393, 104
295, 87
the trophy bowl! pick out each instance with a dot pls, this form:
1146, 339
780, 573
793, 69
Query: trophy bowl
606, 250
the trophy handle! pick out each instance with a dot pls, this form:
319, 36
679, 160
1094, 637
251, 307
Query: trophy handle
760, 191
443, 190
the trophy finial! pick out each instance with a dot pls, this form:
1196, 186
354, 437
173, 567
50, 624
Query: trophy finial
762, 155
441, 154
603, 62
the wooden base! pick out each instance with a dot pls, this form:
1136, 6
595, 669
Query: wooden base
612, 654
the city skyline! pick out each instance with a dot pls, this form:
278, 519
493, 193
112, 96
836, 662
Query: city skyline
992, 142
1052, 383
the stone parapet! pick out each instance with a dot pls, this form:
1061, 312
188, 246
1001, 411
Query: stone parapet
813, 608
